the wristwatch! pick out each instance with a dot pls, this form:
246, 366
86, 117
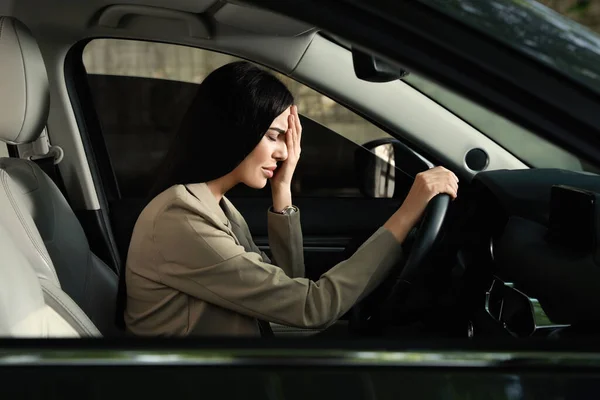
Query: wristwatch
289, 210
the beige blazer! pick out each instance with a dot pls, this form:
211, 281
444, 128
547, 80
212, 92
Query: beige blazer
193, 269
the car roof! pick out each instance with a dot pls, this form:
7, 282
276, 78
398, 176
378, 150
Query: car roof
74, 16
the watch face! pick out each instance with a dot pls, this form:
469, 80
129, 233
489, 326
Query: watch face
288, 210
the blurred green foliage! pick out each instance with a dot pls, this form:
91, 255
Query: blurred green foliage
586, 12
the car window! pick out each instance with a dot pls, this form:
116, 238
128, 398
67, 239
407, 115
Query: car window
141, 91
537, 30
530, 148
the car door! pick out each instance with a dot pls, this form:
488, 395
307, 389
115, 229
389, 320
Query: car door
349, 180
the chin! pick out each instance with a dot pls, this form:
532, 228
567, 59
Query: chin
257, 183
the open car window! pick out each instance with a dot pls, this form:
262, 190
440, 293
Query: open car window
141, 91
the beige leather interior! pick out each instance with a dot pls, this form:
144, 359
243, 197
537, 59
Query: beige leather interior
24, 311
60, 241
35, 217
24, 112
23, 230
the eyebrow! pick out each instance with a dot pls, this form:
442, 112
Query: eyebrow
280, 131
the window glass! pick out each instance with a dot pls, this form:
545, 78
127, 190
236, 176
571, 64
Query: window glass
141, 91
530, 148
524, 144
532, 27
584, 12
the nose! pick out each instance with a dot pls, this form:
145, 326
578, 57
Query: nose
281, 153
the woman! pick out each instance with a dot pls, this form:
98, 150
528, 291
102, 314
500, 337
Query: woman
192, 267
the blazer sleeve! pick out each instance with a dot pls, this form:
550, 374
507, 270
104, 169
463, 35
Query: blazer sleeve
253, 245
204, 261
286, 243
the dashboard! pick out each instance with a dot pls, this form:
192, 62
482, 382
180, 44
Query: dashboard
532, 285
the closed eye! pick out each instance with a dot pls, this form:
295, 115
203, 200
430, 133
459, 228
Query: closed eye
273, 137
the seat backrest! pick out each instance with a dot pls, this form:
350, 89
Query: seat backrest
82, 275
23, 312
31, 306
58, 247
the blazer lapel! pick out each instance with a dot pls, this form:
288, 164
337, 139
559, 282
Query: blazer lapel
224, 215
237, 224
201, 192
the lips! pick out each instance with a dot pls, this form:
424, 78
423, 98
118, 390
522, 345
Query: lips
269, 171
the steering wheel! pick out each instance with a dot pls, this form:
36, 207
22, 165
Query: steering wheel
427, 234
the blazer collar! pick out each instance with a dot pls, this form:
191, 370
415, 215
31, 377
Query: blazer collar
203, 193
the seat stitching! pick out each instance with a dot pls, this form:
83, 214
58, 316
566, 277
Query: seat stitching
64, 306
75, 317
24, 224
21, 219
26, 85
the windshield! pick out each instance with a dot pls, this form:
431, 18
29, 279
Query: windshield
524, 144
537, 30
530, 148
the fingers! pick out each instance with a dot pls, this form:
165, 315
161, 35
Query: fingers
296, 131
452, 191
289, 139
444, 172
292, 134
298, 134
439, 180
452, 181
297, 120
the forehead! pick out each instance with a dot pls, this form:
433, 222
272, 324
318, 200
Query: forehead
282, 120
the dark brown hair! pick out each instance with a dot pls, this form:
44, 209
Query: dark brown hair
232, 111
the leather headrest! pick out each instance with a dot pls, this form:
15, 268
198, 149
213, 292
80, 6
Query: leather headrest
24, 93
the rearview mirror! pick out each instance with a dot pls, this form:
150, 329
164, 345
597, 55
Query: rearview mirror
372, 69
